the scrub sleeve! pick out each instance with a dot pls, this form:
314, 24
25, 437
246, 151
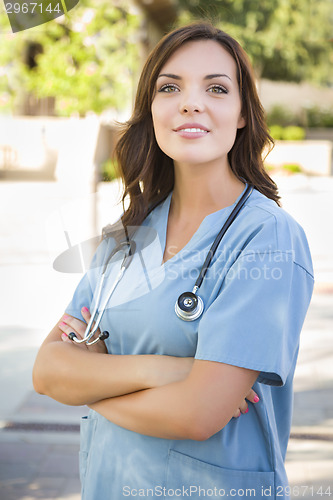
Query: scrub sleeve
255, 321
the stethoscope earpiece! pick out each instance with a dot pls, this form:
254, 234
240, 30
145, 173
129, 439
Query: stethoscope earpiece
189, 306
104, 335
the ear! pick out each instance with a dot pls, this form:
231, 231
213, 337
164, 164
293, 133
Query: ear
241, 122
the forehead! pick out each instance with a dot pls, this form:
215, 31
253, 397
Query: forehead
201, 57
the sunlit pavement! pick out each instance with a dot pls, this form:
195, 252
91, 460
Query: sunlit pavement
39, 437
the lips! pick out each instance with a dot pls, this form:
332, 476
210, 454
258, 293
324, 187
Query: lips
192, 128
192, 131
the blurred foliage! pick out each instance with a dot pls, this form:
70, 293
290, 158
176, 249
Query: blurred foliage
109, 170
317, 117
293, 168
280, 115
309, 117
87, 60
289, 40
290, 133
285, 168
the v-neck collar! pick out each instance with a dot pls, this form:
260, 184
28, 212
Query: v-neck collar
207, 225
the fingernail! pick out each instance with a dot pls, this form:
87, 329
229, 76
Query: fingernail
246, 410
85, 309
256, 399
65, 316
64, 336
62, 324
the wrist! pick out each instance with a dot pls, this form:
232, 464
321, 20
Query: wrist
149, 370
161, 370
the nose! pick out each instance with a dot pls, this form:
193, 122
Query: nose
191, 103
189, 108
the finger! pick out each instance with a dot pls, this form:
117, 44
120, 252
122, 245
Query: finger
252, 396
67, 329
75, 324
237, 413
86, 314
64, 337
244, 407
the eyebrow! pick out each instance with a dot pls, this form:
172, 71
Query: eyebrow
207, 77
216, 75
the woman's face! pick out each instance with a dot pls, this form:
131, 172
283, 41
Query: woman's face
196, 108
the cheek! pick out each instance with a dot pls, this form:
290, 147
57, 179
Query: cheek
161, 120
230, 122
155, 113
158, 107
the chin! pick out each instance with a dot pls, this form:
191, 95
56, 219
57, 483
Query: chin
191, 161
196, 160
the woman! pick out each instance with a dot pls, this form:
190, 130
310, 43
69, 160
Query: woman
162, 404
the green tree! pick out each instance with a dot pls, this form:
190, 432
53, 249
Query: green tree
87, 61
287, 40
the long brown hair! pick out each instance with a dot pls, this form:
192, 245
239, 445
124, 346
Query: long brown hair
147, 172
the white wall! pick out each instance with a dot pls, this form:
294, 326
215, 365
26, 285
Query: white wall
313, 157
294, 96
66, 147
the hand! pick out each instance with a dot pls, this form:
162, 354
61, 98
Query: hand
70, 324
252, 397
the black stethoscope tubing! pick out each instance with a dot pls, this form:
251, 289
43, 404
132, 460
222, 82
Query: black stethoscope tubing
220, 235
189, 305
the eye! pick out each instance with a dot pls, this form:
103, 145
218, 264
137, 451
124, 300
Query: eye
169, 88
217, 89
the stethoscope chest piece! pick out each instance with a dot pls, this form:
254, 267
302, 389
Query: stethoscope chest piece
189, 306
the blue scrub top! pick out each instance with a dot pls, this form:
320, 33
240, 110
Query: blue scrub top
256, 294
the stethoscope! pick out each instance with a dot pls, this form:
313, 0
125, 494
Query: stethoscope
189, 305
128, 247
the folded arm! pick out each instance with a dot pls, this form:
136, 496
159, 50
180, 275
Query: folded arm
194, 408
75, 375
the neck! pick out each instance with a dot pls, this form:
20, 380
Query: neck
200, 191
